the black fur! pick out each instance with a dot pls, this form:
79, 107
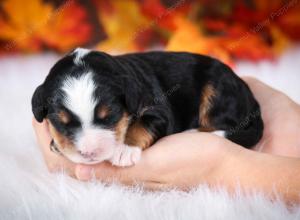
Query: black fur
162, 90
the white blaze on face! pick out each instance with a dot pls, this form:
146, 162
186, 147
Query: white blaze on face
79, 98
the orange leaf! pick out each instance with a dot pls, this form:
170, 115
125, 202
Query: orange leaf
123, 22
188, 38
67, 27
159, 14
289, 20
22, 22
30, 26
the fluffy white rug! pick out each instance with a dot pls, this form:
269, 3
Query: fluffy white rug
28, 191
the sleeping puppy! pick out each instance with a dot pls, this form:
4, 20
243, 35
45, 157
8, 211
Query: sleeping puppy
102, 107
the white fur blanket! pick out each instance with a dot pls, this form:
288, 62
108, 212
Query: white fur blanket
28, 191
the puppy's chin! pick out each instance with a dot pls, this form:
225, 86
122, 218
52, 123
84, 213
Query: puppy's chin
75, 157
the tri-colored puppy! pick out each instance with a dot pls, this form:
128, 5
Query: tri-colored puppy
102, 107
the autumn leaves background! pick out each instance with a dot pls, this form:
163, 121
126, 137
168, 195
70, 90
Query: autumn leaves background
229, 30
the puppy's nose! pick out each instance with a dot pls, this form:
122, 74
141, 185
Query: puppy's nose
90, 153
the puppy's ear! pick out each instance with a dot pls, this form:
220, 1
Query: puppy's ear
38, 103
137, 96
132, 95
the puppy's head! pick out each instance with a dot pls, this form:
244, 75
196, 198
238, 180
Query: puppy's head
83, 102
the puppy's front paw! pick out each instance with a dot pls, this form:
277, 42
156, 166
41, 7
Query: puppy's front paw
126, 156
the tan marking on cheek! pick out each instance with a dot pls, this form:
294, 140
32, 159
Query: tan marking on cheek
64, 117
102, 111
121, 128
61, 141
208, 94
137, 135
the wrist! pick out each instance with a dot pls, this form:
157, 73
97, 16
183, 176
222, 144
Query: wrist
260, 172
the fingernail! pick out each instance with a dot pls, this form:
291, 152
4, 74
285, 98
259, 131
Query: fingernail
83, 172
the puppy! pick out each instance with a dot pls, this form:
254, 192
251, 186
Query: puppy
102, 107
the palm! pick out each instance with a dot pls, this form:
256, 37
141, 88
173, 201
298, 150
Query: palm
281, 118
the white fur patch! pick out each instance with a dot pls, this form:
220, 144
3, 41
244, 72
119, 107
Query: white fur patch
80, 53
219, 133
79, 97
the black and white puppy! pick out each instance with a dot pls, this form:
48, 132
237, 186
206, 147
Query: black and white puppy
102, 107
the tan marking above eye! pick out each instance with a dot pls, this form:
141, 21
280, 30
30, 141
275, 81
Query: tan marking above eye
64, 117
102, 111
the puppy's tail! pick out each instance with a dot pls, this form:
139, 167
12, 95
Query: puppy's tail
249, 131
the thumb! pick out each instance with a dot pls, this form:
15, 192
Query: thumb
106, 172
103, 171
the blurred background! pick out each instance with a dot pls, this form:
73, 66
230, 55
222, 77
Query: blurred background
229, 30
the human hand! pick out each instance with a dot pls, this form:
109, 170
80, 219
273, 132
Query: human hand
195, 154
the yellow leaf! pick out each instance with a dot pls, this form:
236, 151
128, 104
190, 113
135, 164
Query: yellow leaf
122, 25
189, 38
280, 40
23, 21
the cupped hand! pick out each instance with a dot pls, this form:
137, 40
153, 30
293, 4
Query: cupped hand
190, 158
196, 155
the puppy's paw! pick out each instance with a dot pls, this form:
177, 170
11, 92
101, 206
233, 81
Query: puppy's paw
126, 156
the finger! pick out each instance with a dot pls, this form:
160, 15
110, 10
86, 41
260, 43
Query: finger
53, 161
107, 173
